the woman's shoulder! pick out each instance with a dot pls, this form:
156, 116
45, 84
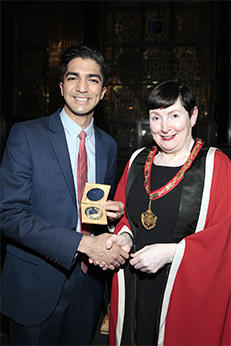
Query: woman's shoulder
140, 155
221, 157
213, 156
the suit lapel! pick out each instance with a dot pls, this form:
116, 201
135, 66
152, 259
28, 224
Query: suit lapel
59, 144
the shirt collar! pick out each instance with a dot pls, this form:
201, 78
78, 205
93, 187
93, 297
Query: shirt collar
72, 127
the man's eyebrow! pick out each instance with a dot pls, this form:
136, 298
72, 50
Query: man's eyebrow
71, 73
89, 75
95, 75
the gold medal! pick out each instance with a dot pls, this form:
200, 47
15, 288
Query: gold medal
148, 219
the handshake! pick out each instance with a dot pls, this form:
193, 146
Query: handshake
109, 251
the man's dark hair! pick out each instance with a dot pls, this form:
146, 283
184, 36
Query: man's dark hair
166, 93
84, 52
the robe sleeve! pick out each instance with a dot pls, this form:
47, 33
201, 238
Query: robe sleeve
199, 311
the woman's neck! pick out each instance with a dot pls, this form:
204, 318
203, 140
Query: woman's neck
174, 159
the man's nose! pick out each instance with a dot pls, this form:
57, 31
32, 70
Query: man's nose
81, 85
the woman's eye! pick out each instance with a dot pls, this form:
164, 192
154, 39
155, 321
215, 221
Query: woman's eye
175, 115
155, 118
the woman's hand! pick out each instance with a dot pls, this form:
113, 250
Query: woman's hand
153, 257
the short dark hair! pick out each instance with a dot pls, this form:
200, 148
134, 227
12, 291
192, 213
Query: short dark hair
84, 52
166, 93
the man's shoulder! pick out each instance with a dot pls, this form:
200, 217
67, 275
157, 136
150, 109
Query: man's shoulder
37, 121
104, 135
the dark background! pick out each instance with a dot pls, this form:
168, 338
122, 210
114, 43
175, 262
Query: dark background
144, 42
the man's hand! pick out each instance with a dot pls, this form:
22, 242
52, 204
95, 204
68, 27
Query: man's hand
114, 209
124, 241
153, 257
96, 249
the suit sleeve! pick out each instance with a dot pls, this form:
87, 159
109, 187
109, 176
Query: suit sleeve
18, 220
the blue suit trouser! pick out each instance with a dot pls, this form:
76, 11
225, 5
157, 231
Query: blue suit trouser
75, 317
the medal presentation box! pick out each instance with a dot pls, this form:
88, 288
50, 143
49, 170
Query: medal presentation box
91, 211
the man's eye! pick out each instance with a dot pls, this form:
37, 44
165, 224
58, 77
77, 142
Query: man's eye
71, 78
95, 81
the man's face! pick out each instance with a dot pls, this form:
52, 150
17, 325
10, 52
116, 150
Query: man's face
82, 87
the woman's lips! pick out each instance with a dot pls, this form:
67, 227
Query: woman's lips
167, 138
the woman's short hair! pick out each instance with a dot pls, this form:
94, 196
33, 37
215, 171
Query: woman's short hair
166, 93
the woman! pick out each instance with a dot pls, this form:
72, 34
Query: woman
176, 286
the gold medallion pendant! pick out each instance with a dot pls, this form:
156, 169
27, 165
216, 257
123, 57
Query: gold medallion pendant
148, 219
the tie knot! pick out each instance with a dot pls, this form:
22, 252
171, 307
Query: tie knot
82, 135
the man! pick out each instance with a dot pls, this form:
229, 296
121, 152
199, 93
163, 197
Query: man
48, 298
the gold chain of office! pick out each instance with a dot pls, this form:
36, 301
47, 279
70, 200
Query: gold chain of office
148, 218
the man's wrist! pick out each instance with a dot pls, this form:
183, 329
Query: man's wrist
85, 244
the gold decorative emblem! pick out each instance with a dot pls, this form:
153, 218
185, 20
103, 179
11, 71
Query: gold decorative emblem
148, 219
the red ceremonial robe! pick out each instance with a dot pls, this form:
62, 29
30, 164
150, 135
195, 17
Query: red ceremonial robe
196, 308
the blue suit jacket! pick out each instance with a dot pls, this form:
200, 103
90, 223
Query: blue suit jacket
38, 212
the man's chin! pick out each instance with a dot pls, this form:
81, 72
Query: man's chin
80, 113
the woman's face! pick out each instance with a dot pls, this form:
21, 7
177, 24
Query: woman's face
171, 127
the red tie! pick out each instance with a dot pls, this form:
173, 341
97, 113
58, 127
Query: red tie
81, 181
82, 166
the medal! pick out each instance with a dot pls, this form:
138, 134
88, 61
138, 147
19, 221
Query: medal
148, 218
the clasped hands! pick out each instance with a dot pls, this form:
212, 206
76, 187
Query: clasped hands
115, 253
107, 250
110, 251
149, 259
